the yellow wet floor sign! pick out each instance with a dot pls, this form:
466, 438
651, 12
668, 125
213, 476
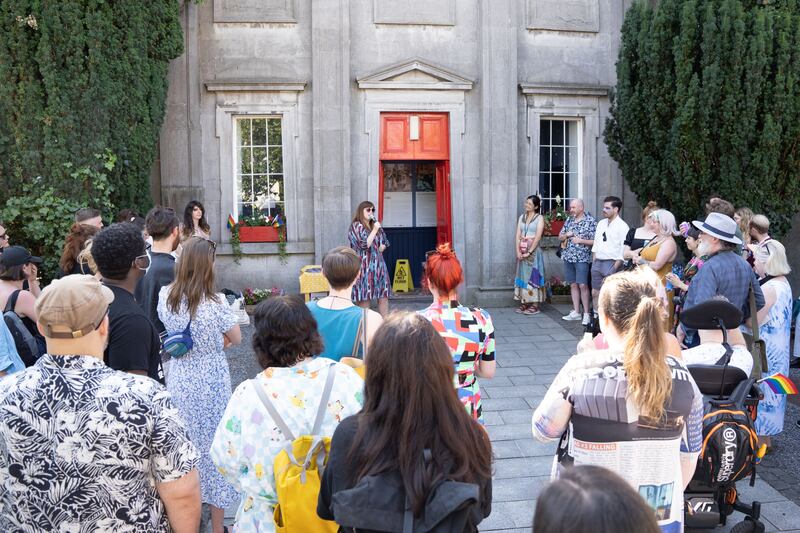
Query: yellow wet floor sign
402, 277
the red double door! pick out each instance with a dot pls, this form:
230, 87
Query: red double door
415, 164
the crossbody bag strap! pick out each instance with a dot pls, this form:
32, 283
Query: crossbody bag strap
271, 410
12, 301
323, 403
364, 333
361, 326
753, 313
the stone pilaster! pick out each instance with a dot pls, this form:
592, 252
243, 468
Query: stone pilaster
330, 89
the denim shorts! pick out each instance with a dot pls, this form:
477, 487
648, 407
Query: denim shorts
576, 273
601, 269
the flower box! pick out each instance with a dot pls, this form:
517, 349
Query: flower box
555, 227
259, 234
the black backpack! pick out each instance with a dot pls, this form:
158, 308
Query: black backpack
27, 347
730, 442
379, 503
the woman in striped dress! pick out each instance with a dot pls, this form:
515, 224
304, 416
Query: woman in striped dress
369, 241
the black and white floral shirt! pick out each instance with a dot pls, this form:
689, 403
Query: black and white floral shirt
82, 447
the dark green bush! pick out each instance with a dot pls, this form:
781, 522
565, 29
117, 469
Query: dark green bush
708, 101
80, 78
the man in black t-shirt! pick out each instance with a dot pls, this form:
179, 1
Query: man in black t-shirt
133, 343
162, 225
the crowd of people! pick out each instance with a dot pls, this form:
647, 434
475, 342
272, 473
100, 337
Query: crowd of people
117, 411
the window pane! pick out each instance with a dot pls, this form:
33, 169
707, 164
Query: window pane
260, 190
557, 160
572, 185
557, 184
276, 188
426, 177
244, 131
246, 189
259, 160
572, 133
558, 132
544, 159
259, 132
544, 132
276, 160
245, 164
274, 131
544, 184
572, 163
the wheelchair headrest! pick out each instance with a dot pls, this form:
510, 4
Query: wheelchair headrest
704, 315
709, 378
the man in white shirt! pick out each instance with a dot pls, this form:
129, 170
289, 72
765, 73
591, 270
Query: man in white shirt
608, 245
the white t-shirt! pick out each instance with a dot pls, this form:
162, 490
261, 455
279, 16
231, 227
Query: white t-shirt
609, 239
709, 353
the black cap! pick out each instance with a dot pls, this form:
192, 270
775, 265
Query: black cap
16, 256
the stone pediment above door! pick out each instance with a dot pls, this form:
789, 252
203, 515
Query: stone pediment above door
415, 74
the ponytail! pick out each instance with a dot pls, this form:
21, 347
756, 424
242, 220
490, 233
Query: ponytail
649, 375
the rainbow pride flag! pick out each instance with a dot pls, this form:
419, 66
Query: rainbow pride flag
231, 221
780, 384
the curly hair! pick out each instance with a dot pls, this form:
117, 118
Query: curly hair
285, 332
115, 248
74, 244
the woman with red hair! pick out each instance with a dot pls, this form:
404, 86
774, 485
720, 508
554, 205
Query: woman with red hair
469, 333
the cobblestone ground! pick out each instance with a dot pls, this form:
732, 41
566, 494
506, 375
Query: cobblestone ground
530, 352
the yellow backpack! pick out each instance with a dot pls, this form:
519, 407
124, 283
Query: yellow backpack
298, 470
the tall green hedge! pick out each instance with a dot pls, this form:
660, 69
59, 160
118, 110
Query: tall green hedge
83, 85
708, 101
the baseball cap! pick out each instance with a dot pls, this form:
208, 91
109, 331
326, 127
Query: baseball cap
16, 256
73, 306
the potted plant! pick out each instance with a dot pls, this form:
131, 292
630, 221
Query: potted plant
252, 297
259, 228
555, 218
558, 287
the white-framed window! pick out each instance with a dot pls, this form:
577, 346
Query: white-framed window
258, 170
559, 161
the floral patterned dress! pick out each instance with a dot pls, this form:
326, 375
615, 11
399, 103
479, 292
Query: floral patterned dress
200, 384
247, 439
469, 333
374, 280
775, 332
529, 284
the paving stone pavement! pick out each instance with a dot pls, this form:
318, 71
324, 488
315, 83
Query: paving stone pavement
530, 352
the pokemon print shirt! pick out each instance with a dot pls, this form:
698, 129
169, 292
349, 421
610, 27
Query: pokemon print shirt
247, 439
589, 410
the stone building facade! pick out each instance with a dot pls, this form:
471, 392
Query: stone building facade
286, 107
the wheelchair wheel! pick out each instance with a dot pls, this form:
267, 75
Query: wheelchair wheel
747, 526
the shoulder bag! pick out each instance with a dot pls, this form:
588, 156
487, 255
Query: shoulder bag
758, 347
354, 361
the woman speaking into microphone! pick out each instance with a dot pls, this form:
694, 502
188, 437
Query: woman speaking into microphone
369, 241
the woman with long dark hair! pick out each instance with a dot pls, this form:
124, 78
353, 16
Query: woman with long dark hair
529, 282
469, 332
70, 262
631, 407
194, 221
410, 411
369, 241
200, 381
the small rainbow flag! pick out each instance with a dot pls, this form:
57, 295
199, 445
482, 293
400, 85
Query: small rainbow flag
277, 221
780, 384
231, 221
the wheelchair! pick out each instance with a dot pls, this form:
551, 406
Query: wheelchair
707, 505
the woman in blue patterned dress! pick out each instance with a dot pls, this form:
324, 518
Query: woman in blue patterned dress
469, 333
775, 320
369, 241
200, 381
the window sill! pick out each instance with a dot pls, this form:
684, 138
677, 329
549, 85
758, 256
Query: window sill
267, 248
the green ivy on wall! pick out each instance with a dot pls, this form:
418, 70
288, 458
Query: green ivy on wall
708, 101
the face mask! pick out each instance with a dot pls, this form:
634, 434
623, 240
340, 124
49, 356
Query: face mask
703, 248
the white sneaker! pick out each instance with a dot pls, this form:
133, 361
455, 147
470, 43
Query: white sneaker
586, 319
573, 315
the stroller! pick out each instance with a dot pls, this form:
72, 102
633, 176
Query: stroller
730, 445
